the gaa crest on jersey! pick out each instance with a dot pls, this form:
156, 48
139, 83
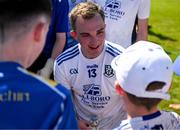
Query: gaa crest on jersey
73, 71
108, 71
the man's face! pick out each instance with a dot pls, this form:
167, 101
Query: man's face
91, 35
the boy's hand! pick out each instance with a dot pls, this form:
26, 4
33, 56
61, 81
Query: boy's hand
83, 125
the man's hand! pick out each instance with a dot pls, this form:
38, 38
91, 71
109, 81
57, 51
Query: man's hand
47, 70
83, 125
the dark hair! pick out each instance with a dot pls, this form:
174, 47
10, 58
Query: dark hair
147, 102
85, 9
15, 13
17, 9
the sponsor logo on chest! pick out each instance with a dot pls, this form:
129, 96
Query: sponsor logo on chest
113, 9
93, 96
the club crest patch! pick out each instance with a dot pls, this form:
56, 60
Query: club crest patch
108, 71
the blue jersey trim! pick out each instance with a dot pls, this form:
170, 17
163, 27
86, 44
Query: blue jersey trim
67, 52
75, 54
68, 55
112, 50
114, 55
151, 116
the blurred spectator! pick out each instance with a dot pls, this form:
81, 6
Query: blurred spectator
55, 40
120, 16
70, 41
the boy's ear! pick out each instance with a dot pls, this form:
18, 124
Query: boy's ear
39, 31
119, 89
73, 34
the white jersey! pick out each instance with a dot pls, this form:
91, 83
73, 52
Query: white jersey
120, 18
160, 120
92, 84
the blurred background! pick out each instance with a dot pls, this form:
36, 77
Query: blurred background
164, 29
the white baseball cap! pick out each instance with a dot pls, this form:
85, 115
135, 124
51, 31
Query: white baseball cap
141, 64
176, 65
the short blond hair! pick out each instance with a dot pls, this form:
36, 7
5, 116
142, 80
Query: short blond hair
86, 10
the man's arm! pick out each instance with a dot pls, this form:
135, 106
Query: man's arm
143, 15
61, 27
58, 45
142, 30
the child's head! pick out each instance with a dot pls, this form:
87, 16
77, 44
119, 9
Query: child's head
144, 72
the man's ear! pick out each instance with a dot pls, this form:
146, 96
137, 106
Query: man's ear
39, 31
119, 89
73, 34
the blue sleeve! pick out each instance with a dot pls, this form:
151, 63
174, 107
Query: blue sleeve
61, 11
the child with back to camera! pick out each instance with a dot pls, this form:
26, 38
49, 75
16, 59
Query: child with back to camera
144, 76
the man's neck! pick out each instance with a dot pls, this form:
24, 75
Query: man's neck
138, 111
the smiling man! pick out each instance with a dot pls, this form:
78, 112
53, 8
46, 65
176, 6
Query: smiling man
86, 69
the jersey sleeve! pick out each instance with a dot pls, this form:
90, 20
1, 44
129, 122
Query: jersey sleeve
144, 9
60, 76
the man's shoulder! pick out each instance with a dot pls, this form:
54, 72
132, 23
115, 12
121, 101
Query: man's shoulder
68, 55
113, 49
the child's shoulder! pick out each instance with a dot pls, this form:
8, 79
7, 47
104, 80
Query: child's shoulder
160, 119
171, 114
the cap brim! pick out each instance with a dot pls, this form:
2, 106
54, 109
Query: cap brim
158, 95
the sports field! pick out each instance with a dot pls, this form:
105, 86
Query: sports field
164, 29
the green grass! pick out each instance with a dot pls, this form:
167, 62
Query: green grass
164, 29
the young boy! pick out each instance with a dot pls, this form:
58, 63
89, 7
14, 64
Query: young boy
144, 74
28, 101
